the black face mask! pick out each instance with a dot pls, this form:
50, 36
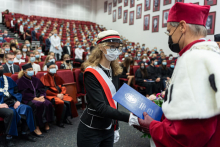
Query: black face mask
68, 61
13, 44
1, 55
174, 46
1, 73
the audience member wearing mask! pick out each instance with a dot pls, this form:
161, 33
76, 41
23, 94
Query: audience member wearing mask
165, 73
48, 59
37, 56
142, 79
33, 33
47, 44
144, 59
66, 62
154, 74
137, 56
32, 59
9, 67
27, 43
126, 70
2, 40
39, 49
18, 57
56, 46
41, 38
163, 57
170, 57
6, 47
171, 68
24, 50
13, 46
6, 35
67, 48
21, 30
79, 54
28, 34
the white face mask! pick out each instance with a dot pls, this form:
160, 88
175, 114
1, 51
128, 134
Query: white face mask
112, 55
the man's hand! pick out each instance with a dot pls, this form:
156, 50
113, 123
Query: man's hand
168, 78
145, 80
41, 99
17, 104
57, 47
3, 105
60, 96
158, 80
127, 73
145, 123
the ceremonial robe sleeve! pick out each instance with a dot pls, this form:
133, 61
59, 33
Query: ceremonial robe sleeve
50, 93
96, 97
183, 133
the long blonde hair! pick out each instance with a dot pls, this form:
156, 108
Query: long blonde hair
68, 66
96, 56
3, 59
46, 61
39, 59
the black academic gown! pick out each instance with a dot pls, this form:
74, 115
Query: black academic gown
154, 73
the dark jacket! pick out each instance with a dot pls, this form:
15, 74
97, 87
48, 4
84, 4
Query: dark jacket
139, 77
41, 39
6, 70
123, 74
47, 41
164, 73
99, 114
33, 35
170, 71
65, 50
153, 72
5, 36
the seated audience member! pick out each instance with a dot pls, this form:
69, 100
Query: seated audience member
56, 46
18, 57
24, 50
163, 57
126, 70
11, 110
67, 48
2, 40
32, 59
2, 56
47, 44
56, 92
155, 50
33, 34
66, 62
79, 54
165, 73
126, 55
12, 24
9, 67
52, 54
6, 35
170, 57
81, 80
6, 47
39, 49
27, 43
13, 46
171, 68
37, 56
28, 34
21, 30
34, 94
144, 59
48, 59
137, 56
41, 38
154, 74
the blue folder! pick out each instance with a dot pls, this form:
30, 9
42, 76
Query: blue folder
137, 103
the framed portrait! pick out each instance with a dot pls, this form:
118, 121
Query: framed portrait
146, 22
139, 11
166, 2
147, 5
156, 5
210, 23
155, 24
114, 16
105, 6
109, 8
196, 3
165, 17
114, 3
125, 3
179, 1
131, 18
132, 2
119, 12
119, 1
125, 16
210, 2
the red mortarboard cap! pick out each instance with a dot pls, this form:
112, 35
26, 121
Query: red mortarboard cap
190, 13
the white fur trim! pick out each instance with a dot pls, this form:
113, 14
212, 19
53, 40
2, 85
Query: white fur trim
192, 95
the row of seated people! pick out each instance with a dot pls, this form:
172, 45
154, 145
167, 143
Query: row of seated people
31, 100
150, 77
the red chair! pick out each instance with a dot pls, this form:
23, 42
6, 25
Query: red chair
58, 63
8, 39
14, 77
22, 63
41, 65
69, 83
73, 53
43, 58
40, 74
79, 93
135, 68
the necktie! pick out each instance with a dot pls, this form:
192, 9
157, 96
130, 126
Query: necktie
11, 70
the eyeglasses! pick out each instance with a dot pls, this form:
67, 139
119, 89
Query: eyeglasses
114, 48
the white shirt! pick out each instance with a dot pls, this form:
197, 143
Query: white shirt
68, 48
12, 25
45, 68
18, 60
79, 53
10, 66
55, 41
21, 29
24, 55
36, 68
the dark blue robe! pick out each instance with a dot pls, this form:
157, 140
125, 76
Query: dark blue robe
21, 110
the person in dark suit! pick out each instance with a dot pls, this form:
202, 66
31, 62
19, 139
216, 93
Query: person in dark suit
67, 48
33, 34
9, 67
47, 44
5, 35
28, 34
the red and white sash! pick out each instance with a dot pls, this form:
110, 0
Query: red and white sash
106, 83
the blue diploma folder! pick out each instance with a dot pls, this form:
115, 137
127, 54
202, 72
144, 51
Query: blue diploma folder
137, 103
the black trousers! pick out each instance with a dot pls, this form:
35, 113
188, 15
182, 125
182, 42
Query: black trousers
7, 114
148, 87
79, 60
87, 137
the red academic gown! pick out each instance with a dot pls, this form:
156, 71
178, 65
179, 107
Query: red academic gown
48, 81
188, 132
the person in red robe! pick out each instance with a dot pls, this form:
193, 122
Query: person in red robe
191, 104
56, 93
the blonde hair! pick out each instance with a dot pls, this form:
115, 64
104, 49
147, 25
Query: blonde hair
46, 60
68, 66
96, 56
39, 59
20, 74
3, 59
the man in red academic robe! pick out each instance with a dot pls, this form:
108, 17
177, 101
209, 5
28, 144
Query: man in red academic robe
56, 93
192, 102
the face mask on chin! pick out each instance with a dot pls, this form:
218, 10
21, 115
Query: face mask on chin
174, 46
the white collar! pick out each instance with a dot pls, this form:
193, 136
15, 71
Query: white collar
9, 64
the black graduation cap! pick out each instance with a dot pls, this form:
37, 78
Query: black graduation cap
152, 59
217, 38
26, 66
50, 63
